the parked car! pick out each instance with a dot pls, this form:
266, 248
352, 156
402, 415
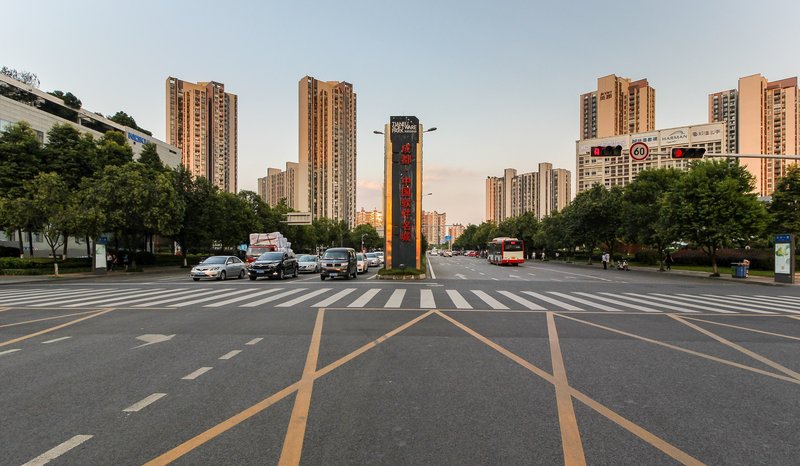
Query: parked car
274, 264
339, 262
447, 253
380, 256
373, 260
218, 268
362, 265
308, 263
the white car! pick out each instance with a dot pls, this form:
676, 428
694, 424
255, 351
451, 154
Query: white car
362, 265
219, 268
380, 256
373, 260
447, 253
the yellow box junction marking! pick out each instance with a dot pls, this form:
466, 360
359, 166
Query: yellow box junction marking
53, 329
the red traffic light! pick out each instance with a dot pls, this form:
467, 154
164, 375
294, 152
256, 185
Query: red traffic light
597, 151
677, 153
605, 151
688, 153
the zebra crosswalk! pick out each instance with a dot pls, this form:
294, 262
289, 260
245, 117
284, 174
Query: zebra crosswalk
400, 298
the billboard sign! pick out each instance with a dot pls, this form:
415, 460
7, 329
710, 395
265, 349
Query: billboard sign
403, 232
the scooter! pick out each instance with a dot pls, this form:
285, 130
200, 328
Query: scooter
622, 265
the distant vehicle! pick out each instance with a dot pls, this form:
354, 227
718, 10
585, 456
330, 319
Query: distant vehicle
380, 256
434, 252
308, 263
266, 242
338, 262
362, 264
274, 264
373, 260
505, 250
218, 268
471, 253
447, 253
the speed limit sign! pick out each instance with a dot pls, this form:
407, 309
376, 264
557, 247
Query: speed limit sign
639, 151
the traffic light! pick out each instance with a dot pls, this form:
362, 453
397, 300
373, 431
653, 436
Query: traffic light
688, 152
605, 151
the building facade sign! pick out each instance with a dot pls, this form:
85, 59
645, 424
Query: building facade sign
675, 137
651, 139
707, 133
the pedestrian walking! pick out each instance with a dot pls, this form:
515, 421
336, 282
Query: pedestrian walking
605, 260
125, 261
109, 258
668, 261
113, 261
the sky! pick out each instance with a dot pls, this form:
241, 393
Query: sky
500, 80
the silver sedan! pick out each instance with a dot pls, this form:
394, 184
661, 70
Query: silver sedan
218, 268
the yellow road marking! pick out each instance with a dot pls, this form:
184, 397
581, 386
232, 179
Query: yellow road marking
643, 434
741, 328
570, 435
739, 348
293, 443
232, 422
46, 318
53, 329
795, 317
684, 350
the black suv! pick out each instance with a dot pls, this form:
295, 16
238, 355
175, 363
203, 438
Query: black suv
338, 262
274, 265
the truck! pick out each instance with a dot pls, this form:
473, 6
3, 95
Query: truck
266, 242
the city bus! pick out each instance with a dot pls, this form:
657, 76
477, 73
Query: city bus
504, 250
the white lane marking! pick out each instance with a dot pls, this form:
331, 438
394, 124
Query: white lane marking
617, 302
196, 373
57, 339
328, 301
230, 354
253, 341
648, 302
426, 300
59, 450
176, 298
9, 351
224, 293
430, 269
715, 302
242, 298
554, 301
126, 297
50, 294
152, 339
372, 277
778, 306
304, 298
92, 296
364, 298
583, 301
315, 277
532, 274
671, 299
496, 279
396, 299
481, 273
515, 276
461, 276
583, 275
144, 403
530, 305
458, 300
273, 298
493, 303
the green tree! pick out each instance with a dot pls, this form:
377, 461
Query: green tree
370, 237
713, 205
113, 149
467, 239
149, 157
69, 99
23, 76
594, 217
785, 206
198, 195
234, 220
20, 161
126, 120
644, 222
47, 202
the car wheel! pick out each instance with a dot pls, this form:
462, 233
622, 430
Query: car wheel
241, 274
252, 277
296, 271
347, 275
322, 277
221, 275
195, 279
280, 274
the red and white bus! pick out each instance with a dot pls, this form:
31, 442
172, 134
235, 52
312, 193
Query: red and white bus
504, 250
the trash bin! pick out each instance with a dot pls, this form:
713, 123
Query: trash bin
738, 270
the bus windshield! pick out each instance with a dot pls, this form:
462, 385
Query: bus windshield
512, 246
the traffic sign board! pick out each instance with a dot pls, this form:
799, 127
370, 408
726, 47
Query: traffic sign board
639, 151
448, 237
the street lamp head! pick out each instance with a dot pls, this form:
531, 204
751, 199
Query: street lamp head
377, 132
430, 129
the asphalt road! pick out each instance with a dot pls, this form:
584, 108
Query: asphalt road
544, 363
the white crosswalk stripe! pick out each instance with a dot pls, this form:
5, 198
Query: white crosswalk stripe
93, 296
364, 298
173, 298
223, 293
19, 293
396, 299
785, 306
553, 301
583, 301
426, 300
617, 302
46, 295
493, 303
682, 301
787, 299
635, 298
336, 297
458, 300
242, 298
276, 297
760, 303
728, 305
127, 298
305, 297
528, 304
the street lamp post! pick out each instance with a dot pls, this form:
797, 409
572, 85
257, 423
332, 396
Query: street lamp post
362, 242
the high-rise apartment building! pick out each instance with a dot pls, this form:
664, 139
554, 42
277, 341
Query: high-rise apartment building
327, 150
762, 117
202, 121
618, 106
372, 217
280, 185
434, 227
542, 192
455, 231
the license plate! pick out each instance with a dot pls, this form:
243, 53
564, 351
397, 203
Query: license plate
333, 274
259, 271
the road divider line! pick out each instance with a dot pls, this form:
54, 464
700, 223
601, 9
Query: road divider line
293, 442
136, 407
570, 435
53, 329
55, 340
430, 269
9, 351
230, 354
46, 318
253, 341
242, 416
196, 373
57, 451
739, 348
741, 328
